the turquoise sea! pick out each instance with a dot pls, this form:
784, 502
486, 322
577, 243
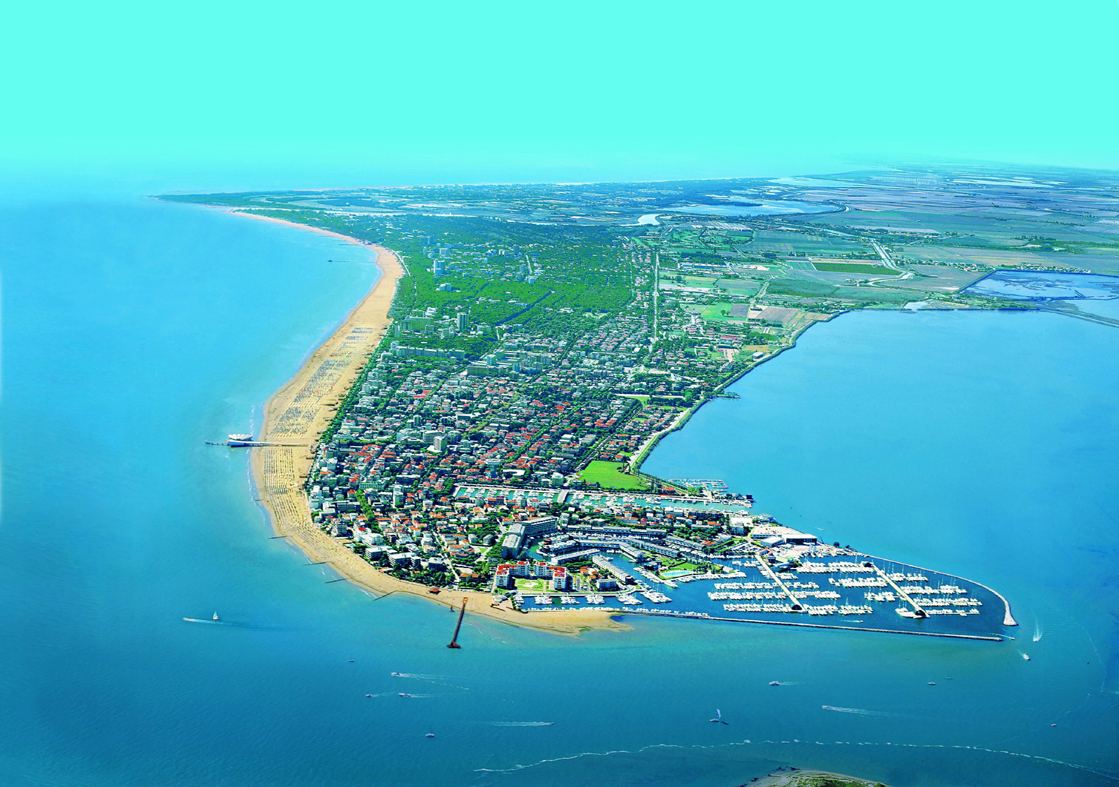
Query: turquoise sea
982, 444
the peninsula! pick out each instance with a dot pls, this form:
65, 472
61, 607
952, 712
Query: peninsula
476, 427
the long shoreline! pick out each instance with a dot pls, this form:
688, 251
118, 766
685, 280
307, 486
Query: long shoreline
299, 412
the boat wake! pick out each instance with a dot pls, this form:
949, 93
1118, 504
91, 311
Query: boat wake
210, 622
1037, 631
857, 711
521, 723
438, 680
236, 624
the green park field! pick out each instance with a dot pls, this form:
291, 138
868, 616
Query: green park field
608, 476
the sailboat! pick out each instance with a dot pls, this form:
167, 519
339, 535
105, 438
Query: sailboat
215, 618
718, 717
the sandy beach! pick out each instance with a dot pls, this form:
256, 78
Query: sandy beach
299, 412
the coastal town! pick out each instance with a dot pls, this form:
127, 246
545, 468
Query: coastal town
541, 341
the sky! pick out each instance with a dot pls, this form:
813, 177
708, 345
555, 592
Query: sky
339, 93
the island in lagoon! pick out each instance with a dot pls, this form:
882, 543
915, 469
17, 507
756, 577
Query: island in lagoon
476, 428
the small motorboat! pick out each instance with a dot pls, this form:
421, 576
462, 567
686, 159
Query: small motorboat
774, 683
430, 735
402, 694
1027, 658
932, 683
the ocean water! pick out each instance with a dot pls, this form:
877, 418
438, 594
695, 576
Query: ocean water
980, 444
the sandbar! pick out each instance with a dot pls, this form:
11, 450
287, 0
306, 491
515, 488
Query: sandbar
799, 778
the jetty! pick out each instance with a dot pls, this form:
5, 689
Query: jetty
771, 575
917, 609
458, 626
247, 441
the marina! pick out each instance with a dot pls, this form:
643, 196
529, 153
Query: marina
861, 593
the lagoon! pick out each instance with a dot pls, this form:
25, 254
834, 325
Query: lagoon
759, 208
1047, 286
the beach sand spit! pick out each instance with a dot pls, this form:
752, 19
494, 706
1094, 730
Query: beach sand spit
299, 412
799, 778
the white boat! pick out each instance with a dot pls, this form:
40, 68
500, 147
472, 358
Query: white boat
216, 616
240, 438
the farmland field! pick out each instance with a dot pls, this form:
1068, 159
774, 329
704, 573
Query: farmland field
745, 288
789, 242
853, 267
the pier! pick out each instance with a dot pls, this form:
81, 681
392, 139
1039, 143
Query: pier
901, 593
710, 484
252, 444
769, 573
458, 626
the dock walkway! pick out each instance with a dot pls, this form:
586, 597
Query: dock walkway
901, 593
769, 573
